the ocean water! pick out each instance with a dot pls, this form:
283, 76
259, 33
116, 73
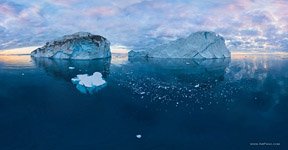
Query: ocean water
237, 103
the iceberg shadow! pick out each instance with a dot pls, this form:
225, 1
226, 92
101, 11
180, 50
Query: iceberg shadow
67, 69
184, 69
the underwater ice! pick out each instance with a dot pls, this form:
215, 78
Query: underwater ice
89, 84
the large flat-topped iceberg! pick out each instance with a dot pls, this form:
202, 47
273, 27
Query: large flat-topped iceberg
198, 45
81, 45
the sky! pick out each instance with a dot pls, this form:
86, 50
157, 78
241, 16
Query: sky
246, 25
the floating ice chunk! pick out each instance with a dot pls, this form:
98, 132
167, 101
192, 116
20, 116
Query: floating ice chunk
142, 93
197, 85
89, 84
90, 81
139, 136
71, 68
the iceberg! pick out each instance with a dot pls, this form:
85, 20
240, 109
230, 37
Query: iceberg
81, 45
201, 44
89, 84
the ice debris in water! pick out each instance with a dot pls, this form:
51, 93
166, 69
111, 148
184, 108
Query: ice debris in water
139, 136
196, 86
71, 68
89, 84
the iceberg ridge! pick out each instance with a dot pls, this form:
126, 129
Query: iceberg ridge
201, 44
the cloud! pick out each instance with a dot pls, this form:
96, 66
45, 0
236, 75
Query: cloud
10, 8
249, 32
246, 24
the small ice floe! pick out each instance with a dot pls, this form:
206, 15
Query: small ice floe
71, 68
197, 85
187, 63
89, 84
138, 136
22, 74
142, 93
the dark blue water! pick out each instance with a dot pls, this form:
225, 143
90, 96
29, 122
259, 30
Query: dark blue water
171, 103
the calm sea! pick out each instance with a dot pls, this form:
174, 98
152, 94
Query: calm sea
237, 103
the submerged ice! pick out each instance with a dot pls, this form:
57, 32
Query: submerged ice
89, 84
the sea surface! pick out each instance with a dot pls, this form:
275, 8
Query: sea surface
146, 104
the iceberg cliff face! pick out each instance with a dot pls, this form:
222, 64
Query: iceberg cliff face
197, 45
81, 45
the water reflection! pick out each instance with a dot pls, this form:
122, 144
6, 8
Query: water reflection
255, 83
183, 69
176, 81
13, 61
68, 69
262, 80
200, 84
237, 102
60, 68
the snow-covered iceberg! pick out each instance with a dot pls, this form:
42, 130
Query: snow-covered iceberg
198, 45
81, 45
89, 84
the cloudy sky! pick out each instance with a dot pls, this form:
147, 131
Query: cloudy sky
247, 25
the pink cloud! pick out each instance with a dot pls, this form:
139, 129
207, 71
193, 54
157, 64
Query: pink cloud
7, 9
66, 3
101, 11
